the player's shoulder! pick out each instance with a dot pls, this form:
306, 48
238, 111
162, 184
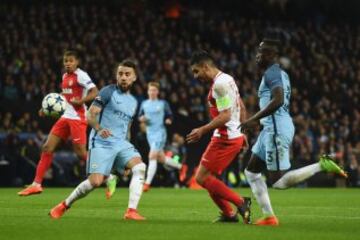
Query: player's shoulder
81, 72
223, 78
108, 89
274, 69
222, 81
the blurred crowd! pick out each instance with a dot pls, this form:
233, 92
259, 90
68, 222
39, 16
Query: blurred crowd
322, 58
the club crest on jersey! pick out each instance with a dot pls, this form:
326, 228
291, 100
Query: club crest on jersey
71, 82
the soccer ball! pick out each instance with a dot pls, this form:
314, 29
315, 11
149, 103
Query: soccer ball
53, 105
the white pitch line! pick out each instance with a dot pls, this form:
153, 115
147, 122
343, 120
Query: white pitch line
320, 216
318, 207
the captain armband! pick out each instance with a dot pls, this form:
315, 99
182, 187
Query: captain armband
223, 102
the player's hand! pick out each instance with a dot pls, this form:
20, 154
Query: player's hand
168, 121
41, 113
104, 133
142, 119
248, 124
76, 101
195, 135
127, 172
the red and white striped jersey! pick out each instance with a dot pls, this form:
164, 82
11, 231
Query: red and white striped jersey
75, 86
224, 85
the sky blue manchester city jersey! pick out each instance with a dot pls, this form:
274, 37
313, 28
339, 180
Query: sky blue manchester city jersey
118, 110
280, 120
155, 111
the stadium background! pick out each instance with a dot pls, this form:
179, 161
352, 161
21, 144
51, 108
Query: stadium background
320, 51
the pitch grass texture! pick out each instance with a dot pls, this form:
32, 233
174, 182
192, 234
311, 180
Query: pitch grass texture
179, 214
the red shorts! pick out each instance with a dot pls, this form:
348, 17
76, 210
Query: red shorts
220, 153
65, 127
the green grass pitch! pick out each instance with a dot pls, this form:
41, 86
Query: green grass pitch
179, 214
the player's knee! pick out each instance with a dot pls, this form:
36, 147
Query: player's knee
96, 182
139, 168
251, 176
199, 179
47, 148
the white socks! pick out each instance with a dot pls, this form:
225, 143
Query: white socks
171, 163
136, 185
79, 192
151, 171
296, 176
259, 189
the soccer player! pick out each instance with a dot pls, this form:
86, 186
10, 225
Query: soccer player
154, 112
110, 117
271, 150
227, 141
77, 88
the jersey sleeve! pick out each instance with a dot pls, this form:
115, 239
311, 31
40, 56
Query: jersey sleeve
168, 112
273, 78
85, 80
103, 97
141, 109
222, 97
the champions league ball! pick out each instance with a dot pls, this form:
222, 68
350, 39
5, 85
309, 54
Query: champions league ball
53, 105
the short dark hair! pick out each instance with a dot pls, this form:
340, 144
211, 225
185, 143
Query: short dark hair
271, 44
201, 56
128, 63
73, 53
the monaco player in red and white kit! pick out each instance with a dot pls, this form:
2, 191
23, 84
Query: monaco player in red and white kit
78, 89
226, 108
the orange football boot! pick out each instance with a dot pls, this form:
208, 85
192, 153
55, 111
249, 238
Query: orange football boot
59, 210
30, 190
132, 214
268, 221
146, 187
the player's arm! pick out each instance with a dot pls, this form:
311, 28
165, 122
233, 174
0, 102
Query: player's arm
92, 93
141, 114
168, 114
92, 90
276, 102
243, 112
92, 116
95, 109
274, 82
223, 103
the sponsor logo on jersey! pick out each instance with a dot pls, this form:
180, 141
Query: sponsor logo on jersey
67, 91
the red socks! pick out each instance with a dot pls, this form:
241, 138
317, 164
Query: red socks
43, 166
223, 205
220, 190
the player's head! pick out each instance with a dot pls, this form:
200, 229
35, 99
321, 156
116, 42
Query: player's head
267, 52
202, 66
153, 90
126, 74
71, 61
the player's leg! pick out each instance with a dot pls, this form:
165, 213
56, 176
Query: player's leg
78, 137
59, 132
256, 165
99, 166
215, 159
168, 161
152, 167
129, 158
293, 177
135, 188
